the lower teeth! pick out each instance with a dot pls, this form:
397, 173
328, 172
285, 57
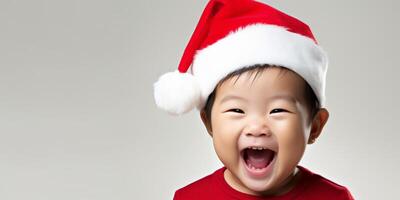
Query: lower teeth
255, 168
252, 167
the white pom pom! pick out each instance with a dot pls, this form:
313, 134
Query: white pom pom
177, 93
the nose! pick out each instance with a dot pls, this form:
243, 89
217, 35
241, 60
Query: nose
257, 128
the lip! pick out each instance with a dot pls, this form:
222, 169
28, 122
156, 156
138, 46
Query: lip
259, 173
271, 146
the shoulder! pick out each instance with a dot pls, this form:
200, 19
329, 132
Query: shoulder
323, 187
199, 189
332, 189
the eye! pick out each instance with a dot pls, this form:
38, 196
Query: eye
236, 110
278, 110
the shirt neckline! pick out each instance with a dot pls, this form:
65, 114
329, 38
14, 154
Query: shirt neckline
294, 192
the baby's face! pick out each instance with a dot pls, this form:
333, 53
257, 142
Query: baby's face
260, 129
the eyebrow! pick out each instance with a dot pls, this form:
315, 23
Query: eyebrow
280, 96
230, 97
284, 97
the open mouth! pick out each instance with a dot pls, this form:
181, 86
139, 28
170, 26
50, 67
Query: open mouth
257, 158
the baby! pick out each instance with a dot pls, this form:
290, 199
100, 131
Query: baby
257, 76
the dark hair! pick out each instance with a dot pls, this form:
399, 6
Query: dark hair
312, 102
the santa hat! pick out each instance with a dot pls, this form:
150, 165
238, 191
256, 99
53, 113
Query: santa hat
232, 34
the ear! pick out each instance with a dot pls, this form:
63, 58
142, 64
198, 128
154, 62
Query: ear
206, 121
318, 124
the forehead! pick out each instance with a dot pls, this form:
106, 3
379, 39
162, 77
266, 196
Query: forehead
269, 82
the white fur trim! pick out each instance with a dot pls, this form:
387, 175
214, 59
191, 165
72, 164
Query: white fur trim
176, 93
260, 44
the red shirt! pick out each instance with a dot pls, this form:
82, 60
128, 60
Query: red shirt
310, 186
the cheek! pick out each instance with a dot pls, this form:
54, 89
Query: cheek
225, 139
291, 141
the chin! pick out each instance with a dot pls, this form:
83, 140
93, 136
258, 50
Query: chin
258, 187
265, 183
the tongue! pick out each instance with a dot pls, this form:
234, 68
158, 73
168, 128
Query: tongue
259, 158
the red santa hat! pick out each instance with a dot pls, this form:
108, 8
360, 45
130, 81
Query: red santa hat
232, 34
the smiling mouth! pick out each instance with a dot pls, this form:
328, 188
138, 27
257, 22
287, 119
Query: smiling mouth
257, 158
